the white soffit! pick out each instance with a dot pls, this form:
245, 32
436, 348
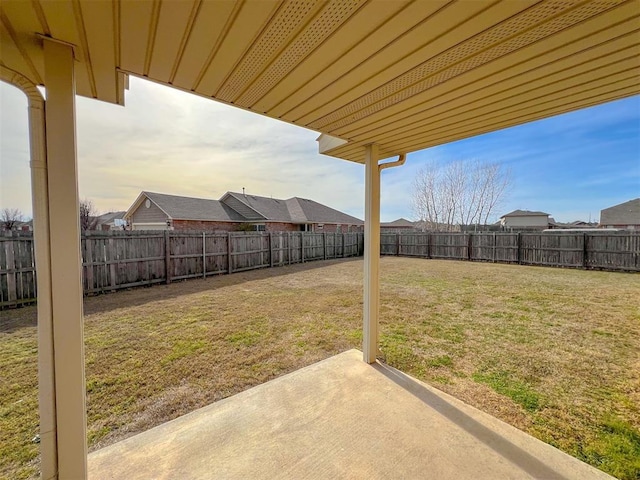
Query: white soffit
403, 74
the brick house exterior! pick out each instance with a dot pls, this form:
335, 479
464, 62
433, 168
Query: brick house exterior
236, 212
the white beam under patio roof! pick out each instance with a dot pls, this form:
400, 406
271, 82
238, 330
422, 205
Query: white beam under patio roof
405, 75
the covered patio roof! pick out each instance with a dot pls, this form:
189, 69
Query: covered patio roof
405, 75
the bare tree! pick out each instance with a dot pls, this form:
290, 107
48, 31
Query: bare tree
10, 218
88, 214
460, 193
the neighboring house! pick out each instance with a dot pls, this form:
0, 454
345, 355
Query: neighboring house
25, 226
17, 226
625, 215
574, 225
526, 220
110, 221
398, 225
236, 211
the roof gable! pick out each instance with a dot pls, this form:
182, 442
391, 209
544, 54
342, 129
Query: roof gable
188, 208
292, 210
242, 205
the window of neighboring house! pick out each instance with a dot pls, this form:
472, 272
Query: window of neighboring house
319, 227
338, 228
260, 227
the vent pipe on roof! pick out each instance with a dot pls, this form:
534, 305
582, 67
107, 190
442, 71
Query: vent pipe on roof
242, 190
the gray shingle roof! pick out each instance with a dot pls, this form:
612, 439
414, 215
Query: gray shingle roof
188, 208
295, 210
523, 213
272, 209
627, 213
319, 213
399, 223
292, 210
108, 217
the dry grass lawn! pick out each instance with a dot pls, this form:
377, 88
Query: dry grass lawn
554, 352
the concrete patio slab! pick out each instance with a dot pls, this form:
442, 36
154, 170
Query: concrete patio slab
337, 419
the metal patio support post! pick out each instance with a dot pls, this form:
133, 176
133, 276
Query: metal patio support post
46, 377
371, 255
66, 277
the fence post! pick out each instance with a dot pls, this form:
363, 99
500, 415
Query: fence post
469, 246
10, 248
397, 244
494, 247
289, 248
344, 245
204, 255
429, 245
88, 261
301, 247
519, 248
271, 249
584, 251
229, 257
324, 245
167, 256
112, 264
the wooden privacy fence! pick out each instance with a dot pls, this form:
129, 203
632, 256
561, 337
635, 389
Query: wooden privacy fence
616, 251
17, 271
116, 260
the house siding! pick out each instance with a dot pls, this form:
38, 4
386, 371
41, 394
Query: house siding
622, 226
148, 215
527, 221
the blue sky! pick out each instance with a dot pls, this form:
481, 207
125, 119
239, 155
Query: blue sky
570, 166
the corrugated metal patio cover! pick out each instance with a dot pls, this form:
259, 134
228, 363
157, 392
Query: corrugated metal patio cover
403, 74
